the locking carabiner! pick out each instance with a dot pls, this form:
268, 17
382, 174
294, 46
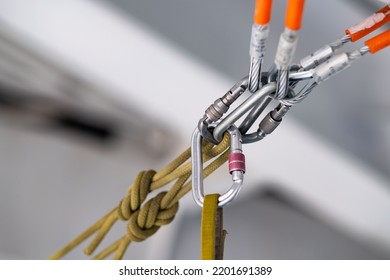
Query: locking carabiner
236, 167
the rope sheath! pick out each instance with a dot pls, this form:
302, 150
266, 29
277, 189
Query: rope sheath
145, 217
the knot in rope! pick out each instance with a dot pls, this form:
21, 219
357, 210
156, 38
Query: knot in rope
146, 221
145, 218
136, 195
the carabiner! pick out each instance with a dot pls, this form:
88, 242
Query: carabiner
242, 109
236, 167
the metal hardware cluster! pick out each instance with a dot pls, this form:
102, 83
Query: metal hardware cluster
301, 78
285, 83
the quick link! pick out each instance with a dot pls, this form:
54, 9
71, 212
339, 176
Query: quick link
220, 106
267, 125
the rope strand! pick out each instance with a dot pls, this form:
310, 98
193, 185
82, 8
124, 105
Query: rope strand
144, 218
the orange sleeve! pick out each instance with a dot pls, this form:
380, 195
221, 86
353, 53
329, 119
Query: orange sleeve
294, 14
262, 12
379, 42
358, 34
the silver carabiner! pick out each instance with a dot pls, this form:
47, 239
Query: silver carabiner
236, 167
243, 108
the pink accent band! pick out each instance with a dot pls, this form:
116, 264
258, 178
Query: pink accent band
236, 162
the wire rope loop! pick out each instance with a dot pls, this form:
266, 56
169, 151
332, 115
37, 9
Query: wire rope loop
236, 167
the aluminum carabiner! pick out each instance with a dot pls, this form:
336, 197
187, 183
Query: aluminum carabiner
236, 167
242, 109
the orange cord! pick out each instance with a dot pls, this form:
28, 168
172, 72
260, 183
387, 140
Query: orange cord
294, 14
379, 42
363, 32
262, 12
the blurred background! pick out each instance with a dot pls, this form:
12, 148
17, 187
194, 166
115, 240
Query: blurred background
93, 91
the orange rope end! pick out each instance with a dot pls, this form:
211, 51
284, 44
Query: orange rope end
379, 42
262, 12
294, 14
370, 24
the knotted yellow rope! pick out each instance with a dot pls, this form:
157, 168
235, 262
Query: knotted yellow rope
145, 218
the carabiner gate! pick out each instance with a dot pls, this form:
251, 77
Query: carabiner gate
236, 167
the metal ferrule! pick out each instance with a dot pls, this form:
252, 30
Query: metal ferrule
324, 53
316, 58
332, 67
258, 44
286, 48
257, 49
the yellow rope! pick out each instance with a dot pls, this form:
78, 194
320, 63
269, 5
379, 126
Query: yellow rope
144, 218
